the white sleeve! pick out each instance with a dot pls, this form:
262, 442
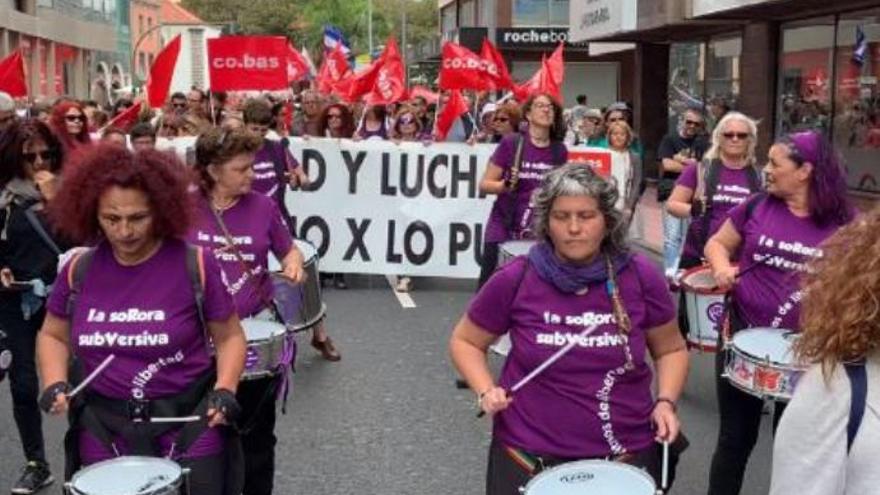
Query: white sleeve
809, 452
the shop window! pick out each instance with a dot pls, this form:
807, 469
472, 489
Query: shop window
805, 76
559, 12
856, 124
722, 75
447, 19
685, 80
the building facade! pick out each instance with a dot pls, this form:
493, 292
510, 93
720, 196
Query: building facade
61, 40
791, 64
192, 63
525, 30
146, 38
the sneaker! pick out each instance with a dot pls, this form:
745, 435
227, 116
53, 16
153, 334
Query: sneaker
34, 477
404, 284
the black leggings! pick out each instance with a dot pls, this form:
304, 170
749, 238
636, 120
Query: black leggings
740, 423
207, 474
489, 262
257, 399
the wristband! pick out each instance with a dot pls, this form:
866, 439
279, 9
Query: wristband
698, 207
47, 398
224, 402
668, 401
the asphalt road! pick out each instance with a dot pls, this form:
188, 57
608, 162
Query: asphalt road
387, 419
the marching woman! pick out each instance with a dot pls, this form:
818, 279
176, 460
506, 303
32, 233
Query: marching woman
68, 122
777, 234
29, 250
515, 171
829, 437
242, 227
149, 303
594, 402
706, 191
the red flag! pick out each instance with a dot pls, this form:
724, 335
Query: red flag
248, 63
12, 75
423, 92
364, 81
390, 84
464, 69
161, 72
334, 69
297, 66
547, 80
455, 107
489, 53
126, 118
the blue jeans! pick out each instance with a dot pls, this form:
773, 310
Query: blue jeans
674, 230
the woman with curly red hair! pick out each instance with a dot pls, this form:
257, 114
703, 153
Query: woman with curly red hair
151, 304
828, 440
337, 122
69, 123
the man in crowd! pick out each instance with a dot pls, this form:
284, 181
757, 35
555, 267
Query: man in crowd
308, 121
178, 104
142, 136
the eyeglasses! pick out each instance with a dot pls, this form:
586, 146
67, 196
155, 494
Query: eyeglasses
695, 123
738, 135
75, 118
45, 155
542, 106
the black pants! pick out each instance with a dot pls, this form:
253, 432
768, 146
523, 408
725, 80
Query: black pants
489, 262
740, 423
23, 381
257, 399
504, 476
207, 474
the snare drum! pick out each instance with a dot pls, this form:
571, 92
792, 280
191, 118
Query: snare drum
593, 477
760, 362
128, 476
511, 249
267, 348
704, 303
300, 306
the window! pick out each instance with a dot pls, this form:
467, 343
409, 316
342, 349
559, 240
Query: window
856, 124
447, 19
150, 26
559, 13
140, 24
805, 70
531, 13
467, 13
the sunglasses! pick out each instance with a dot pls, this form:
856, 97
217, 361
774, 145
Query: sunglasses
178, 105
334, 116
407, 119
501, 119
75, 118
695, 123
738, 135
45, 155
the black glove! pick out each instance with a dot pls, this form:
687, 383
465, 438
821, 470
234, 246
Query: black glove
698, 208
47, 398
223, 401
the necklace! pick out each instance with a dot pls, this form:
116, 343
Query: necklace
229, 204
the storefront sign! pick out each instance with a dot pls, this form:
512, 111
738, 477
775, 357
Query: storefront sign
706, 7
531, 37
593, 19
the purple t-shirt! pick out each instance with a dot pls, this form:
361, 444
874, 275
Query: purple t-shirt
582, 406
769, 295
256, 226
511, 215
273, 155
146, 316
733, 189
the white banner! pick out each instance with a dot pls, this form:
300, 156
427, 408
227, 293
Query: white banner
406, 209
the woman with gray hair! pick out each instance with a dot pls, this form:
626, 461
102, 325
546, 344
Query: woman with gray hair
706, 191
579, 284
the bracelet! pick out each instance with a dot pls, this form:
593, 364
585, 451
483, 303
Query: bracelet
668, 401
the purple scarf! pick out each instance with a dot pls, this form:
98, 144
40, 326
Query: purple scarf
569, 278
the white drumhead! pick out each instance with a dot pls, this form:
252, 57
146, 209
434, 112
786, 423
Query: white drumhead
308, 251
517, 248
593, 478
700, 279
770, 343
126, 476
256, 330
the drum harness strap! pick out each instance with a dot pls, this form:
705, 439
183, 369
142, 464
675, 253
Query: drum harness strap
533, 463
513, 179
708, 174
858, 382
103, 416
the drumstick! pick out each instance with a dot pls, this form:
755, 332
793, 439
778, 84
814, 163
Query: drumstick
546, 364
94, 374
747, 269
176, 419
664, 481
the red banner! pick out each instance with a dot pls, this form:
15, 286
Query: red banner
598, 160
464, 69
240, 63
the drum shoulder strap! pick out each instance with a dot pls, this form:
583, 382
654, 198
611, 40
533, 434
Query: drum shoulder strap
76, 273
858, 382
195, 270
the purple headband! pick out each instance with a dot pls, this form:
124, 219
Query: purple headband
806, 146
